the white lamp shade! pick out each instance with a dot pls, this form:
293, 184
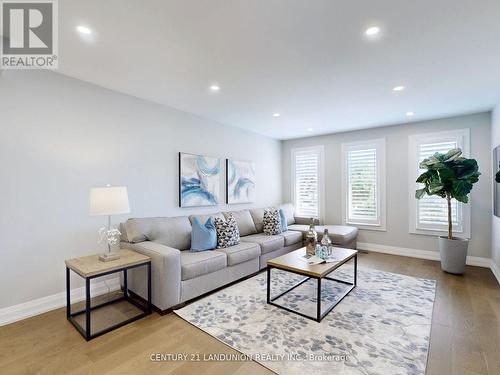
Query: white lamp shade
112, 200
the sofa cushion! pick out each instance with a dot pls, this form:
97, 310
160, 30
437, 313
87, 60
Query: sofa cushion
241, 253
258, 218
267, 243
339, 234
203, 236
244, 220
289, 211
201, 263
302, 228
169, 231
291, 237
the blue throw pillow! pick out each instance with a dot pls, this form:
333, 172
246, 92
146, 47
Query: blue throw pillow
203, 237
284, 225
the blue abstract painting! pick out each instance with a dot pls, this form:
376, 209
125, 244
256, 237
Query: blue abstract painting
199, 180
240, 181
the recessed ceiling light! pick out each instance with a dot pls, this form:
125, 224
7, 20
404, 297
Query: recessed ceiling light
310, 129
372, 31
276, 114
398, 88
214, 88
409, 114
84, 30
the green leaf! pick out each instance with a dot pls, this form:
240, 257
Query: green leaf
419, 194
466, 168
446, 175
452, 154
435, 186
462, 198
461, 188
438, 166
424, 177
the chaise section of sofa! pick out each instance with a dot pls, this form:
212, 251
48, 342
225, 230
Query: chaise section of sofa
341, 235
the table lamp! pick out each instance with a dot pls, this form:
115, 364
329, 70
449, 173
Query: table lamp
109, 200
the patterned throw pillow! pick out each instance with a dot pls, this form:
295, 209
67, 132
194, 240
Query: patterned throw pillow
271, 222
228, 233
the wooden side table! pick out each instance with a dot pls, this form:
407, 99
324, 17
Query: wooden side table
90, 267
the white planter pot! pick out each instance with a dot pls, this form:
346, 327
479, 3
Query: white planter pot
453, 254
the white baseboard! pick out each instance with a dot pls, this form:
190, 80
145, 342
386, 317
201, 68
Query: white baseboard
421, 254
42, 305
496, 270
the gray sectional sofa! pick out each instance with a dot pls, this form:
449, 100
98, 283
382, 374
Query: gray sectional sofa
179, 275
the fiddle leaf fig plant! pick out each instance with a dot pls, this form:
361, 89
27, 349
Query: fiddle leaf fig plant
449, 176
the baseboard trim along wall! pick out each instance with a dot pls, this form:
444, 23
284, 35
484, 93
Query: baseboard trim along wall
496, 270
42, 305
421, 254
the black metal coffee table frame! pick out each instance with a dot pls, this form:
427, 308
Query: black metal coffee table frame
319, 316
86, 332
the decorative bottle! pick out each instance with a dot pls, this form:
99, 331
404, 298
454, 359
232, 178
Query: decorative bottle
311, 239
326, 244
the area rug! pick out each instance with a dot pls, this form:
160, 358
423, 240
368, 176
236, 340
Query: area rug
382, 327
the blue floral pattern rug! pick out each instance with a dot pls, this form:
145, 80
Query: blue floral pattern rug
381, 327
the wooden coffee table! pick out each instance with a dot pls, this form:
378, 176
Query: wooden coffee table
295, 263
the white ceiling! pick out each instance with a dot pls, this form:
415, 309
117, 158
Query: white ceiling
306, 59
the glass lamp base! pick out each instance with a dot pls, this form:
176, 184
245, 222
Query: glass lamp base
108, 257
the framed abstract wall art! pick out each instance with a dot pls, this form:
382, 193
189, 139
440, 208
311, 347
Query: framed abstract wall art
199, 180
240, 181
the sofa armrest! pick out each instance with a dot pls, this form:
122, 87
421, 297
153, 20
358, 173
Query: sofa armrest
165, 274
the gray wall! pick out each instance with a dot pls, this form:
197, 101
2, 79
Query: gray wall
495, 141
397, 233
60, 136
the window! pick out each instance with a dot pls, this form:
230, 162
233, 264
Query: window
363, 184
307, 184
429, 215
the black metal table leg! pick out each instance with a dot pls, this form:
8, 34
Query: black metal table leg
125, 287
88, 331
68, 297
318, 312
150, 306
268, 284
355, 269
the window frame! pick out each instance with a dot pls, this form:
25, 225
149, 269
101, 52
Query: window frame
462, 137
320, 150
380, 146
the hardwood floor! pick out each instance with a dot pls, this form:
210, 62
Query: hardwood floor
465, 337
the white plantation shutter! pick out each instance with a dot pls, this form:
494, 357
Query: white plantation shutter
432, 211
364, 183
429, 215
306, 169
